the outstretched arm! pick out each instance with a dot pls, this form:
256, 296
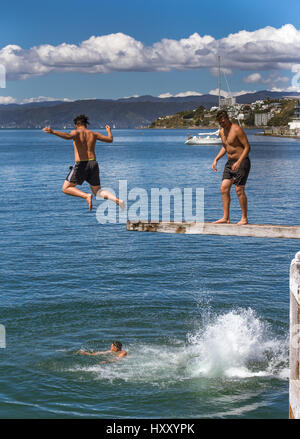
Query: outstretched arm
93, 353
65, 136
109, 138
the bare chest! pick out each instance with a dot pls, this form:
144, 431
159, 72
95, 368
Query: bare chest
231, 140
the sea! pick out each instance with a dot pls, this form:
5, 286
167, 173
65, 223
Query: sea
204, 319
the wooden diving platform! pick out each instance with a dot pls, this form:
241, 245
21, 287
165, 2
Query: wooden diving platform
294, 383
193, 228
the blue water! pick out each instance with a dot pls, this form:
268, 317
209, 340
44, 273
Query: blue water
203, 318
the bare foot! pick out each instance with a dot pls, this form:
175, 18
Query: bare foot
243, 222
222, 221
121, 203
89, 201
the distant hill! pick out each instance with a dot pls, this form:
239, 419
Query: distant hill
121, 113
29, 105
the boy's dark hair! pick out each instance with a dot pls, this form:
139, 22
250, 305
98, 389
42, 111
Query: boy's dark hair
117, 344
82, 119
221, 114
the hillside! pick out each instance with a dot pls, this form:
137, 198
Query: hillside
119, 114
122, 113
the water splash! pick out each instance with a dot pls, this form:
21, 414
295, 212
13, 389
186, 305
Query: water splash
237, 344
233, 345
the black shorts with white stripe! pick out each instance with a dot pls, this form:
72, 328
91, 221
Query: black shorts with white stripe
87, 170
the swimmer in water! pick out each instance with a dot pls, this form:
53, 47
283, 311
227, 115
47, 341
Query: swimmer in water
115, 349
86, 167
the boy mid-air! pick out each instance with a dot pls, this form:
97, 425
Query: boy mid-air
86, 167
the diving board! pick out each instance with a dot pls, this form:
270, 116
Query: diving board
294, 384
192, 228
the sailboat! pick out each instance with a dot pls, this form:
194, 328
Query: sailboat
207, 138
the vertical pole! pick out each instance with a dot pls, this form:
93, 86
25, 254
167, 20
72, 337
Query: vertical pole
294, 385
219, 80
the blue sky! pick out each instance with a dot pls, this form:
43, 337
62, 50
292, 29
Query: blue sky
52, 62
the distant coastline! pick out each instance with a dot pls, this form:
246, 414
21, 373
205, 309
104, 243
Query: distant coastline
210, 127
141, 111
286, 136
142, 128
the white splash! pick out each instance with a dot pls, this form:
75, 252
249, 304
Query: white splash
237, 344
233, 345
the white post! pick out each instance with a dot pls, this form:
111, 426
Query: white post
219, 81
294, 392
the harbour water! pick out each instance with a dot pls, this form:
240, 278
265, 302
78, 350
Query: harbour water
205, 319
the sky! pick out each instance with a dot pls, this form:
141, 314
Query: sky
108, 50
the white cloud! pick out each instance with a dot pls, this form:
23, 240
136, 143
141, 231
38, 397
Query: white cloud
268, 48
215, 92
133, 96
165, 95
11, 100
290, 89
272, 79
187, 93
43, 99
254, 77
182, 94
7, 100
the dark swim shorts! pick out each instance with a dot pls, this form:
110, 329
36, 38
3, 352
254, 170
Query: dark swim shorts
85, 171
240, 176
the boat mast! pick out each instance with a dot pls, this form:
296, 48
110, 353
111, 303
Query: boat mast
219, 80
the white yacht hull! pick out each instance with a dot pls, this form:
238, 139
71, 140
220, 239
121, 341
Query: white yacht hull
196, 140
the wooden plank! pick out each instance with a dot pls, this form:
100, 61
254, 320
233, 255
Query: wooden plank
294, 385
291, 414
254, 230
295, 398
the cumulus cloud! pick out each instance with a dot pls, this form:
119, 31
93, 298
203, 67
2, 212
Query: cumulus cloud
271, 79
187, 93
11, 100
182, 94
165, 95
133, 96
43, 99
224, 93
7, 100
290, 89
254, 77
268, 48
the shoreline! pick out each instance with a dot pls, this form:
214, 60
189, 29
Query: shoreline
277, 135
193, 128
136, 128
